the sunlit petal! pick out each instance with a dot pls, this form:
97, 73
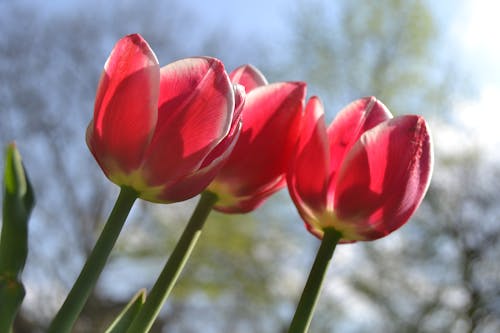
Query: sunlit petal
350, 123
384, 177
195, 113
309, 169
248, 76
125, 112
271, 116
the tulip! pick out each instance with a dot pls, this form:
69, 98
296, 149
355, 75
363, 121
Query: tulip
164, 132
364, 175
257, 166
161, 134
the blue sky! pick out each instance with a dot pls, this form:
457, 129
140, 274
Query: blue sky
258, 16
475, 29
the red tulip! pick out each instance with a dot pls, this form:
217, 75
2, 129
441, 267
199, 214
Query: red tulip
257, 166
365, 175
163, 131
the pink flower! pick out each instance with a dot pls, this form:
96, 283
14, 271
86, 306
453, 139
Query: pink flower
257, 166
163, 131
364, 175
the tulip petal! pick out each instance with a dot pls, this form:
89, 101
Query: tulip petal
349, 124
242, 205
271, 117
309, 169
195, 113
226, 146
248, 76
193, 184
383, 178
125, 111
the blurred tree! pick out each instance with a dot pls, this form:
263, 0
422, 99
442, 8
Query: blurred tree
391, 49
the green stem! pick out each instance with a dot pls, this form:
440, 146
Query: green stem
73, 305
167, 278
303, 314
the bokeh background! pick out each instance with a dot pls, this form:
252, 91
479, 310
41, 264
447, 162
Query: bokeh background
438, 273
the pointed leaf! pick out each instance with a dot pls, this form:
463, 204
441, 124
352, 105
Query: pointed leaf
125, 318
18, 203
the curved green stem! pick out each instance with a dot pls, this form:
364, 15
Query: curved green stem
167, 278
73, 305
303, 314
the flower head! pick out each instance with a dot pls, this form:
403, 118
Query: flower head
364, 175
163, 131
257, 166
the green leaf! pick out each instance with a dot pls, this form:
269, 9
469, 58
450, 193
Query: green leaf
125, 318
18, 202
11, 296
